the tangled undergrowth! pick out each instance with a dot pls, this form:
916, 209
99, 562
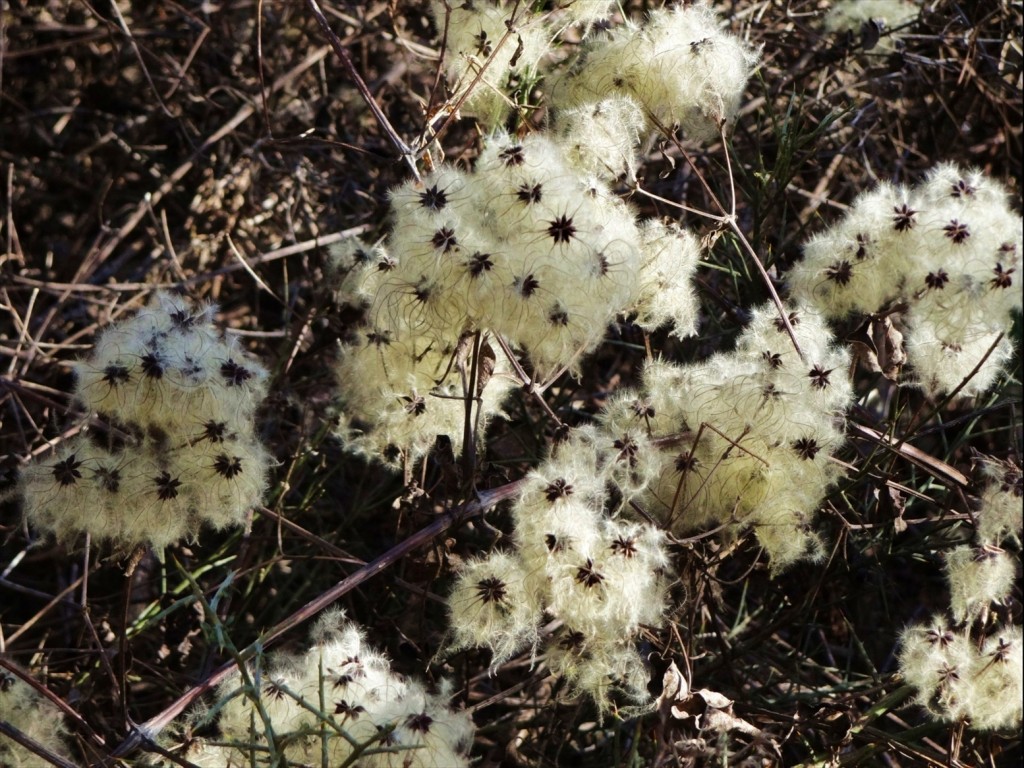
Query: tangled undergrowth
643, 382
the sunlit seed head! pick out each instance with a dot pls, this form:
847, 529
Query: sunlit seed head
528, 193
433, 198
841, 272
479, 263
558, 489
794, 320
492, 590
904, 218
215, 431
806, 447
108, 478
558, 316
227, 466
819, 377
526, 286
624, 546
937, 280
588, 575
561, 229
957, 231
166, 486
513, 155
444, 239
1003, 277
116, 374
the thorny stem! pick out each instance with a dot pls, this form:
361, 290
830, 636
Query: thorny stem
145, 732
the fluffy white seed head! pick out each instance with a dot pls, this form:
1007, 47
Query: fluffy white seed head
939, 663
851, 15
949, 249
999, 677
571, 475
151, 492
681, 66
598, 666
486, 44
339, 696
942, 363
168, 367
528, 246
629, 410
602, 138
585, 12
1001, 516
959, 679
493, 605
555, 537
631, 460
356, 270
758, 425
978, 577
399, 393
670, 258
611, 584
849, 267
783, 525
180, 450
602, 576
636, 564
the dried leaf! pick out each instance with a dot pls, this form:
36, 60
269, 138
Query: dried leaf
673, 686
930, 464
889, 342
707, 710
836, 724
899, 506
878, 346
485, 362
463, 349
520, 46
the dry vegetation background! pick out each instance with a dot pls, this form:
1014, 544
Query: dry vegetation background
219, 147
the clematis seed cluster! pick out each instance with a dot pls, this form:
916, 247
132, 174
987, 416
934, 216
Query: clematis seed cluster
338, 703
944, 257
177, 447
531, 247
965, 664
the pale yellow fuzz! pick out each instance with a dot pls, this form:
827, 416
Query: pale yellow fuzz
178, 449
23, 708
337, 698
949, 250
